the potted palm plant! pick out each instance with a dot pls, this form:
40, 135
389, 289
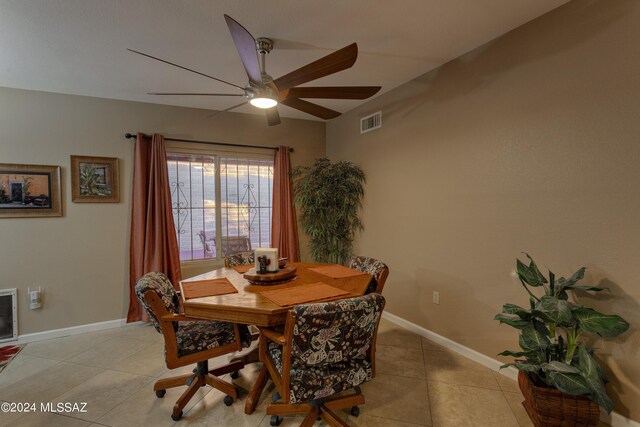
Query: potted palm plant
329, 196
561, 380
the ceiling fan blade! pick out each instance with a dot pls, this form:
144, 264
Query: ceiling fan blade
185, 68
228, 109
332, 92
273, 117
194, 94
311, 108
246, 46
332, 63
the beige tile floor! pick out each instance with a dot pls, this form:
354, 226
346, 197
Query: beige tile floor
418, 383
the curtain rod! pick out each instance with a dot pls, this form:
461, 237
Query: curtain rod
130, 135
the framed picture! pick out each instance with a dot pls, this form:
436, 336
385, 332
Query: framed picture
29, 191
8, 315
94, 179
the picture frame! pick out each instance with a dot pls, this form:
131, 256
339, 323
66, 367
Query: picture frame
8, 315
95, 179
29, 191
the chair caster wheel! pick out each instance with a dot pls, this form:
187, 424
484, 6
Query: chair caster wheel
235, 374
160, 393
355, 411
275, 420
275, 397
228, 400
177, 417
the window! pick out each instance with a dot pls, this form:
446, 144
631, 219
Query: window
220, 202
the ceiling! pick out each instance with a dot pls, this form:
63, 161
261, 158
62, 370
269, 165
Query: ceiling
79, 46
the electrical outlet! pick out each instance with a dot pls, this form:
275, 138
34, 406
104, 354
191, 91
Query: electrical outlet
436, 297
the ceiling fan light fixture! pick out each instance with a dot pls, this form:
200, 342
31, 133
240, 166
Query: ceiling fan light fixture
263, 101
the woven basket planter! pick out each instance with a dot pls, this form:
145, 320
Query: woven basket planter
549, 407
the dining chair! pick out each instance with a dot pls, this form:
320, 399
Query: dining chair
242, 258
235, 244
374, 267
230, 244
208, 241
326, 348
188, 340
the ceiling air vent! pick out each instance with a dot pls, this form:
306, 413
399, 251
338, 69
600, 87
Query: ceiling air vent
371, 122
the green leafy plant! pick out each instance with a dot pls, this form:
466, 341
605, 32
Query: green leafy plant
330, 196
26, 185
3, 194
89, 180
550, 332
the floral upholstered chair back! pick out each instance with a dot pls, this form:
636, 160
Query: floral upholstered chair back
241, 258
160, 284
335, 333
374, 267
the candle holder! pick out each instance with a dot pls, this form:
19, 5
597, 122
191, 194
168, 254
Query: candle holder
266, 260
263, 262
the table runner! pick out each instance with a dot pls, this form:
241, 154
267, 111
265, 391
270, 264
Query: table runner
300, 294
243, 268
336, 271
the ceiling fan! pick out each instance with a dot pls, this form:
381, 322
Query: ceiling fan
263, 91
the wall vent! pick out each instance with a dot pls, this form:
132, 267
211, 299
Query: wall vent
371, 122
8, 315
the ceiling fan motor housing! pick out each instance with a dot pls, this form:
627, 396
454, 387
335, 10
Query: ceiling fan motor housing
264, 45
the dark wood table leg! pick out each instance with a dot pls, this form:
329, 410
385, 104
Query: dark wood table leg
252, 356
256, 391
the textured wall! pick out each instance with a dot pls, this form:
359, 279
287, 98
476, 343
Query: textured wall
81, 260
528, 143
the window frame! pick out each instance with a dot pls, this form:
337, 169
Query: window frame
176, 147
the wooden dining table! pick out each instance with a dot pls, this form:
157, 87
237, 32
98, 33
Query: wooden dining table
248, 306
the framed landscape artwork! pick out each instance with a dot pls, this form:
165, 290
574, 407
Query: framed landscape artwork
29, 191
94, 179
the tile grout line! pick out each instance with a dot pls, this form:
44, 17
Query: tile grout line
466, 385
512, 411
494, 373
102, 370
407, 375
426, 380
41, 357
107, 369
89, 422
393, 419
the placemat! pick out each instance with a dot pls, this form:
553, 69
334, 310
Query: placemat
336, 271
301, 294
243, 268
207, 288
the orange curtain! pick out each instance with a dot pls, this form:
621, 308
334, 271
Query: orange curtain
284, 227
153, 244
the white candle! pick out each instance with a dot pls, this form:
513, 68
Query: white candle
272, 258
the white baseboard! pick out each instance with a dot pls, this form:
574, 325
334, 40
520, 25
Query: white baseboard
480, 358
73, 330
614, 419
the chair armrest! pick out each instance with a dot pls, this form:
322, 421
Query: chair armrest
275, 336
172, 317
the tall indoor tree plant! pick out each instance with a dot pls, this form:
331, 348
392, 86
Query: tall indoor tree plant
329, 196
552, 353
